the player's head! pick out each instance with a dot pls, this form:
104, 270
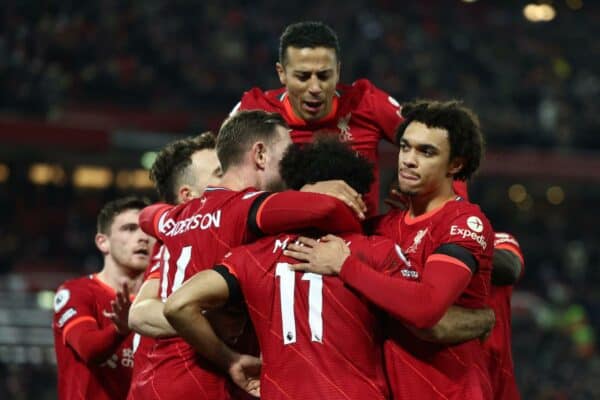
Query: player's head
439, 142
309, 67
119, 236
324, 159
255, 140
184, 168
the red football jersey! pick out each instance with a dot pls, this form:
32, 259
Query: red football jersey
143, 345
319, 339
196, 235
361, 115
424, 370
498, 346
79, 304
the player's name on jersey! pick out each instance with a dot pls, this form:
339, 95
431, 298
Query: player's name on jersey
170, 227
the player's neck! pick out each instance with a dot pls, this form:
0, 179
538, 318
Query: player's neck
239, 178
428, 202
114, 275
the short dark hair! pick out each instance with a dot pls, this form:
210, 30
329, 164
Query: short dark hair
113, 208
464, 132
173, 160
308, 34
240, 131
326, 158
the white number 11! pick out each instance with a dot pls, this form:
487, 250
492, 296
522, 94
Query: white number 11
287, 283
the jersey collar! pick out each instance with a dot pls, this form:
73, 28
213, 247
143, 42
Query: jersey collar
296, 120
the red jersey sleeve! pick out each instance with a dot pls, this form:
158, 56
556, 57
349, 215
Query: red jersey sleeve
385, 109
421, 304
472, 231
149, 218
75, 318
154, 268
293, 210
506, 241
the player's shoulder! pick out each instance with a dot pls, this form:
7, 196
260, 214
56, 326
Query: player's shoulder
505, 238
257, 98
75, 289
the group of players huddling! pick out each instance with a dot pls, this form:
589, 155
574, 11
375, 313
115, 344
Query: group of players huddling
267, 271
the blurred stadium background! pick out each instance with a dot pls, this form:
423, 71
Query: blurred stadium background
89, 90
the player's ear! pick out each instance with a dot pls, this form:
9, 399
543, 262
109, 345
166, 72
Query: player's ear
281, 73
102, 243
184, 193
259, 155
455, 166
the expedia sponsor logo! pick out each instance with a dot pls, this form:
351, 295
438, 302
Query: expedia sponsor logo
475, 224
70, 313
466, 233
198, 221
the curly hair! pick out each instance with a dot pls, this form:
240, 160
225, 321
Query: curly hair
172, 162
309, 34
464, 132
326, 158
107, 214
240, 131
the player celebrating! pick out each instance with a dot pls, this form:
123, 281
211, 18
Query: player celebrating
181, 172
447, 244
91, 337
199, 232
311, 328
312, 99
507, 269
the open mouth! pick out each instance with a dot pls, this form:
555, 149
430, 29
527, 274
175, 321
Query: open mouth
142, 252
312, 106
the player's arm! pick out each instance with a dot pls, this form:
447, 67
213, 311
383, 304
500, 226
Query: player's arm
146, 313
273, 213
447, 273
81, 330
149, 216
185, 308
458, 325
385, 110
506, 267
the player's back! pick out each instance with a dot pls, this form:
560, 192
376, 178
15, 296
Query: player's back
318, 338
196, 235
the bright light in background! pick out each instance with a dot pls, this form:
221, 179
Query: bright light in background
148, 159
555, 195
4, 172
526, 204
137, 179
45, 174
469, 1
574, 4
92, 177
45, 299
517, 193
539, 12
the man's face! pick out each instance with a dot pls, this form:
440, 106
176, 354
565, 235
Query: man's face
273, 181
310, 76
423, 160
129, 246
205, 170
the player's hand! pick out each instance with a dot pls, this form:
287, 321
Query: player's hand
245, 372
395, 199
325, 256
341, 191
119, 312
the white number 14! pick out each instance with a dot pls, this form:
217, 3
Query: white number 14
287, 283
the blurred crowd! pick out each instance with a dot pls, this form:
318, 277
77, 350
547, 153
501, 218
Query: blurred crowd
531, 83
